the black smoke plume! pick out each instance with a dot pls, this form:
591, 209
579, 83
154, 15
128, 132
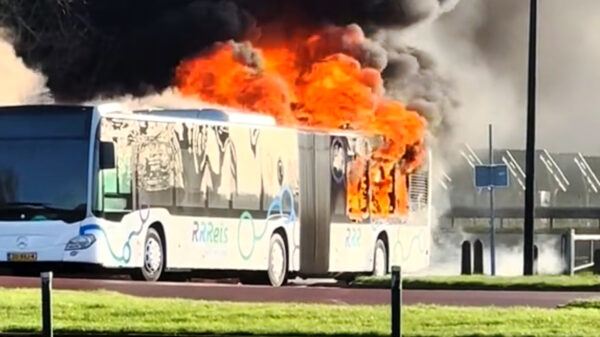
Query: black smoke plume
91, 48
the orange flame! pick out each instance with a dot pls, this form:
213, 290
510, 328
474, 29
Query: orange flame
357, 194
312, 80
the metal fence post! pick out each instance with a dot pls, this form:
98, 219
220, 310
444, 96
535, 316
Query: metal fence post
596, 259
571, 243
591, 251
564, 250
396, 301
47, 304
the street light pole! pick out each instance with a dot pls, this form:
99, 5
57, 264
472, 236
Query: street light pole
530, 148
492, 215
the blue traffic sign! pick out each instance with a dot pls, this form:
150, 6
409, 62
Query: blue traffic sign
487, 176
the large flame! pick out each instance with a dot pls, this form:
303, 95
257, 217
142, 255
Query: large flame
312, 79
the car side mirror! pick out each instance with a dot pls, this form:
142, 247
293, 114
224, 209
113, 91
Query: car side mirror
107, 155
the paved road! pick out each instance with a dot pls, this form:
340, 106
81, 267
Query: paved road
306, 293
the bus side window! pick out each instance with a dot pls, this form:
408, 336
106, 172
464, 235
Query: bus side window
113, 180
112, 200
109, 180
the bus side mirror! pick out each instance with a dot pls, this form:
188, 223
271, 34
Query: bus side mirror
107, 155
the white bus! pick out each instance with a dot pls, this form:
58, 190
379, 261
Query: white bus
155, 193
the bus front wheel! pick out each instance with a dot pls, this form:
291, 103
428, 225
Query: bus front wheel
153, 259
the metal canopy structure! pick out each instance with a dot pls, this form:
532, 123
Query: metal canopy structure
567, 184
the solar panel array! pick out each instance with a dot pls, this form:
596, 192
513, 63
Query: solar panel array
562, 180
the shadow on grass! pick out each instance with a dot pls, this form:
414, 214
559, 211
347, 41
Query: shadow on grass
126, 334
588, 283
134, 334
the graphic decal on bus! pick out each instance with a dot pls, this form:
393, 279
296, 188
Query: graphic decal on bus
275, 212
201, 163
125, 256
416, 245
210, 233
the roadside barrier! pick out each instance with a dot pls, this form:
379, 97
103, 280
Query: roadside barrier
396, 302
472, 258
575, 262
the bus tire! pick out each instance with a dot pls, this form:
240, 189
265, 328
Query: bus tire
153, 258
277, 270
380, 259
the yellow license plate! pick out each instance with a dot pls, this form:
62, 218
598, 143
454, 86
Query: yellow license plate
22, 257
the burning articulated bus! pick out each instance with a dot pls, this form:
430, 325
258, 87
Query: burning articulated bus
160, 192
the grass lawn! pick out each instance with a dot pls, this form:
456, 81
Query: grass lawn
580, 282
108, 312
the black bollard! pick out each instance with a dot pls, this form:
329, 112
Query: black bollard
478, 257
396, 301
466, 258
47, 304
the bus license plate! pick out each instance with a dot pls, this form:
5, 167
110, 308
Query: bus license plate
22, 257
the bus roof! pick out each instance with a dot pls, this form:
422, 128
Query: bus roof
215, 115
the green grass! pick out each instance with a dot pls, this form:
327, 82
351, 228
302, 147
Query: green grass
583, 282
113, 313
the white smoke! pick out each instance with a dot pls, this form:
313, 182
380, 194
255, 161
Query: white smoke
19, 84
509, 260
170, 98
425, 10
483, 45
482, 96
446, 259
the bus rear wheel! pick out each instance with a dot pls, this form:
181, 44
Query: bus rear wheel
380, 259
278, 264
277, 269
153, 259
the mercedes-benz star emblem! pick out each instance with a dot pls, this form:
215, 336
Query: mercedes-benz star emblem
22, 242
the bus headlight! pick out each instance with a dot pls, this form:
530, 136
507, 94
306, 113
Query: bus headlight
80, 242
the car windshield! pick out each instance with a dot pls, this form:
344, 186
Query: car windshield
43, 163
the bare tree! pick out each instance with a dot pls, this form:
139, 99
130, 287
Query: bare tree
50, 35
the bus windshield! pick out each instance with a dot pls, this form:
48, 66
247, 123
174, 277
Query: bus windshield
43, 163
